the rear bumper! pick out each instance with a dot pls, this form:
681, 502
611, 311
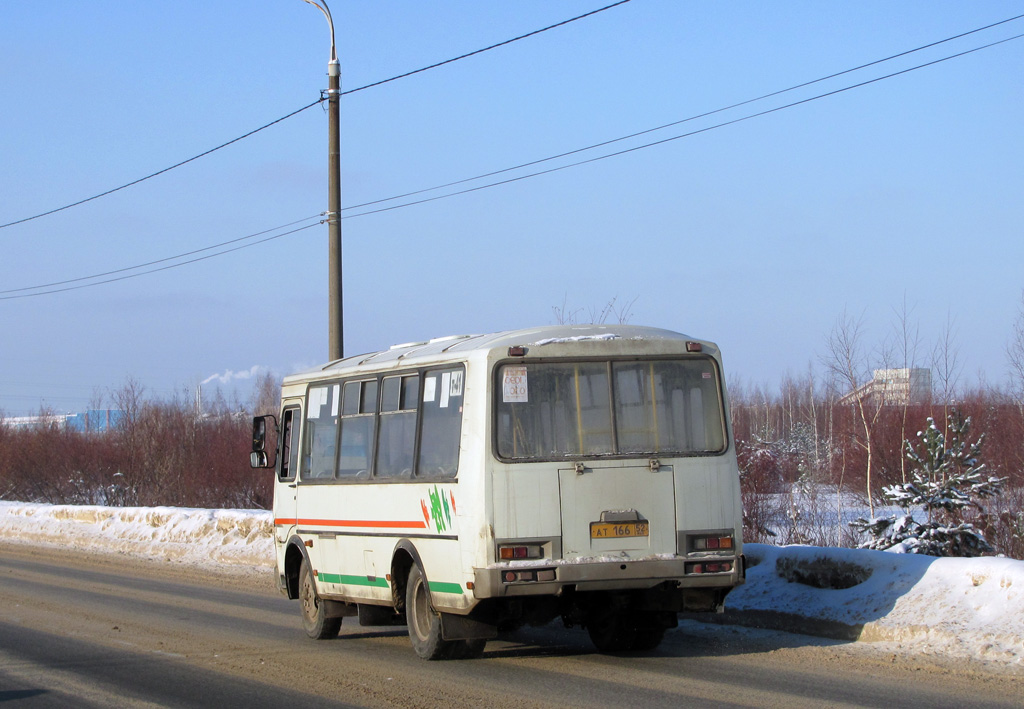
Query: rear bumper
604, 575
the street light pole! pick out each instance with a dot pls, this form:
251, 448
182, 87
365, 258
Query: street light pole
335, 309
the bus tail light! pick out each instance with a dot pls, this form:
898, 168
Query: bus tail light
521, 576
511, 552
712, 543
714, 567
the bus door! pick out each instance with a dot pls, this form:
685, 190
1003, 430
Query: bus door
288, 465
316, 495
626, 512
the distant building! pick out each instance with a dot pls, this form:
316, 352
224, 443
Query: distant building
32, 421
94, 420
894, 387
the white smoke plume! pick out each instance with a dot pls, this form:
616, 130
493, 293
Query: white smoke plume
230, 375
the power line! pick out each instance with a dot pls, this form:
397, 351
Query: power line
675, 123
161, 260
487, 49
318, 101
684, 135
155, 270
159, 172
523, 177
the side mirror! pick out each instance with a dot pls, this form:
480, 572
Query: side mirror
260, 457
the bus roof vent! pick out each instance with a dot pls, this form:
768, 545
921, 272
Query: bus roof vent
449, 338
407, 345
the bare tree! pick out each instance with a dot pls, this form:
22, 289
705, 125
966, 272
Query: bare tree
1015, 356
611, 310
96, 400
564, 316
266, 394
947, 365
847, 361
124, 491
907, 338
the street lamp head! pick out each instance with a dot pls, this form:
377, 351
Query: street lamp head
321, 5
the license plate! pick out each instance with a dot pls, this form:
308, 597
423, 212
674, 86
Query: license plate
612, 530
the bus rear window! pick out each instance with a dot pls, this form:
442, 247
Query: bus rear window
555, 410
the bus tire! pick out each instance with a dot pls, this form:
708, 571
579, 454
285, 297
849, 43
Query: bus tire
314, 617
424, 623
648, 637
626, 631
612, 632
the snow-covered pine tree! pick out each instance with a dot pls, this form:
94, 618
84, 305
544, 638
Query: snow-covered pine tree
946, 482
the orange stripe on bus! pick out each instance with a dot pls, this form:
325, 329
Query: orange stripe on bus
362, 523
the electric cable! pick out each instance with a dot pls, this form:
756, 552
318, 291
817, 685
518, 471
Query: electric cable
3, 295
318, 101
163, 260
487, 49
684, 120
686, 135
157, 270
160, 172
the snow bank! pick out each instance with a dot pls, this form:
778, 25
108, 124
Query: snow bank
971, 608
214, 538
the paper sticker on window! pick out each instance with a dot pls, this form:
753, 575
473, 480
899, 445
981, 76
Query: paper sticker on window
429, 389
705, 375
456, 383
446, 387
337, 399
317, 398
513, 385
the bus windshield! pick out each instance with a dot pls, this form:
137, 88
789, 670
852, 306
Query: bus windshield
554, 410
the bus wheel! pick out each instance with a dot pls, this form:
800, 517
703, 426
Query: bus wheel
424, 623
612, 632
626, 631
314, 617
648, 636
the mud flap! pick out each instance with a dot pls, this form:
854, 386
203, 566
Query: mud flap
378, 615
338, 609
462, 627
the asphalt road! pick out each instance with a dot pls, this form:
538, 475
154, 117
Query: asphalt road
103, 631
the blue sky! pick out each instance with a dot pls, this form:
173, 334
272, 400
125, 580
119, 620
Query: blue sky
756, 235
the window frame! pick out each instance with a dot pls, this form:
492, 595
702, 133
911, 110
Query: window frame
495, 413
378, 378
290, 443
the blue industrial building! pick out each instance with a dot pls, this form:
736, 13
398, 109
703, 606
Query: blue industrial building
94, 420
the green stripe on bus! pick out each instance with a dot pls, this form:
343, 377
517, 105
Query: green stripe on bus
353, 580
445, 587
436, 587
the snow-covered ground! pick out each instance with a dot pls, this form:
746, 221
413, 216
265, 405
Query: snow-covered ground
217, 539
970, 608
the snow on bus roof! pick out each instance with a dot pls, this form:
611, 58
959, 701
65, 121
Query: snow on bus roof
541, 336
577, 338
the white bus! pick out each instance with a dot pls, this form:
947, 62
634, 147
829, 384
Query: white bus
468, 485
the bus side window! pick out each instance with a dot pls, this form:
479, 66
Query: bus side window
289, 457
357, 428
442, 424
397, 440
321, 432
